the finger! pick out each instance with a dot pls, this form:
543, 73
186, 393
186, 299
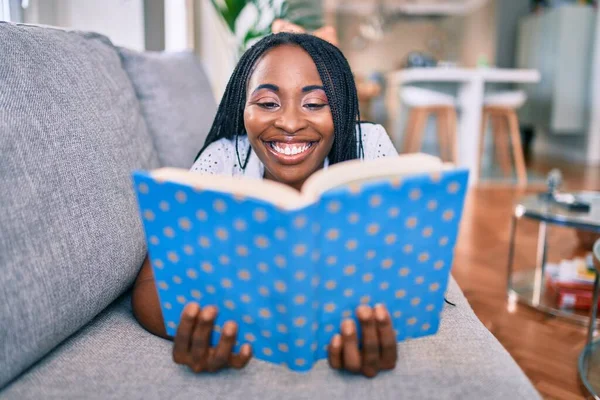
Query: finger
287, 26
239, 361
278, 25
370, 341
220, 357
181, 343
387, 337
350, 352
201, 338
334, 352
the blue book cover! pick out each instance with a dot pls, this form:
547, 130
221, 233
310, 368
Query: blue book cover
288, 277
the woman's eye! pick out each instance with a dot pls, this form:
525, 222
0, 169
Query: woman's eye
269, 105
315, 106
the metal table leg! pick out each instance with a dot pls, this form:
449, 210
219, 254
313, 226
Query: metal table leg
511, 253
594, 311
540, 264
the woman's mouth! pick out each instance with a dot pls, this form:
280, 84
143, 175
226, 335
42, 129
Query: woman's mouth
290, 153
290, 149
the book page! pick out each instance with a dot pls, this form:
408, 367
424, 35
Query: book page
261, 189
359, 171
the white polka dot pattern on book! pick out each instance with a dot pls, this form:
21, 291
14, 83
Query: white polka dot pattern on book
288, 287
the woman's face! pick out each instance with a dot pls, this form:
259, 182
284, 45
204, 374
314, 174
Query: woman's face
287, 115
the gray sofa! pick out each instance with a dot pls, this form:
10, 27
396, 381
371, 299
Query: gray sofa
77, 115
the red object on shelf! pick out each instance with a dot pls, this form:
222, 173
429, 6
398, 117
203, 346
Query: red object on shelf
573, 295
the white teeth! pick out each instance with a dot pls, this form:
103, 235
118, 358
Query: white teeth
290, 149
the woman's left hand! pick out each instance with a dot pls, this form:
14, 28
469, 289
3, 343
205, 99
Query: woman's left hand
377, 351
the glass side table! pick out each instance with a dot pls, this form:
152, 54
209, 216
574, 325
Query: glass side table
527, 286
589, 359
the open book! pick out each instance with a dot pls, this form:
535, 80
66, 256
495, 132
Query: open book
289, 266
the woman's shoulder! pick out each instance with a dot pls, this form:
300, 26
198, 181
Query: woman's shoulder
371, 129
220, 156
376, 141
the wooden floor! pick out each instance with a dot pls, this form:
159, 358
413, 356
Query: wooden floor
545, 347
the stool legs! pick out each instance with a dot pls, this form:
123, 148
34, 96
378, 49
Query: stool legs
453, 146
446, 130
443, 133
501, 118
484, 126
517, 147
414, 132
501, 143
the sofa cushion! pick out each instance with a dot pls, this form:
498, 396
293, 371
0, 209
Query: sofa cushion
71, 132
114, 358
177, 102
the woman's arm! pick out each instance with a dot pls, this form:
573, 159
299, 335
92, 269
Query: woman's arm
145, 303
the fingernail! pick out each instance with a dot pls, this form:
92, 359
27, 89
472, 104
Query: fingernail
191, 309
245, 349
229, 328
380, 313
208, 313
348, 327
336, 341
367, 312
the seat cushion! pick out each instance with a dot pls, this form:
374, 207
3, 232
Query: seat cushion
418, 97
509, 99
177, 102
114, 358
71, 240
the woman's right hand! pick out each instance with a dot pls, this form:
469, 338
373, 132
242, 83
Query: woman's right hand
193, 338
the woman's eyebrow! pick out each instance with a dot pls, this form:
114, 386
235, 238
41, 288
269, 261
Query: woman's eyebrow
269, 86
312, 87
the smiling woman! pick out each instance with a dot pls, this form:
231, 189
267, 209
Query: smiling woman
289, 110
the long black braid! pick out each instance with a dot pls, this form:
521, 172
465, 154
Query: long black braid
338, 82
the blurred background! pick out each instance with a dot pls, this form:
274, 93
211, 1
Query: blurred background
383, 38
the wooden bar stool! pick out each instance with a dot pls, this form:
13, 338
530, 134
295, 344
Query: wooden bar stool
423, 103
501, 110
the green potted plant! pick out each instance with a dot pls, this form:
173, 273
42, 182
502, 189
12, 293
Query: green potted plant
250, 20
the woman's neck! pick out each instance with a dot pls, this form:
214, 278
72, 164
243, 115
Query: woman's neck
294, 185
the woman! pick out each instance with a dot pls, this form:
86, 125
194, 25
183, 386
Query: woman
289, 109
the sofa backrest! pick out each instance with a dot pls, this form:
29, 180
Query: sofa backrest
177, 102
71, 132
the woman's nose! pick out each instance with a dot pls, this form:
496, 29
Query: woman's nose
290, 120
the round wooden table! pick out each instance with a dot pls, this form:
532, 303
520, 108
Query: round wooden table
589, 359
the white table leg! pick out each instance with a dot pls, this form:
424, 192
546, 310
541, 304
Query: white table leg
470, 98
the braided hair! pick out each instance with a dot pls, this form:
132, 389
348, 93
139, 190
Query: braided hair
338, 83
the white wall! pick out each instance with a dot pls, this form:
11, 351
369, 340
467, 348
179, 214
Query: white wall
4, 10
177, 25
593, 137
508, 14
215, 45
580, 145
121, 20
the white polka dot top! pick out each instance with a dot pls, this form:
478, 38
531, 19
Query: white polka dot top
220, 157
